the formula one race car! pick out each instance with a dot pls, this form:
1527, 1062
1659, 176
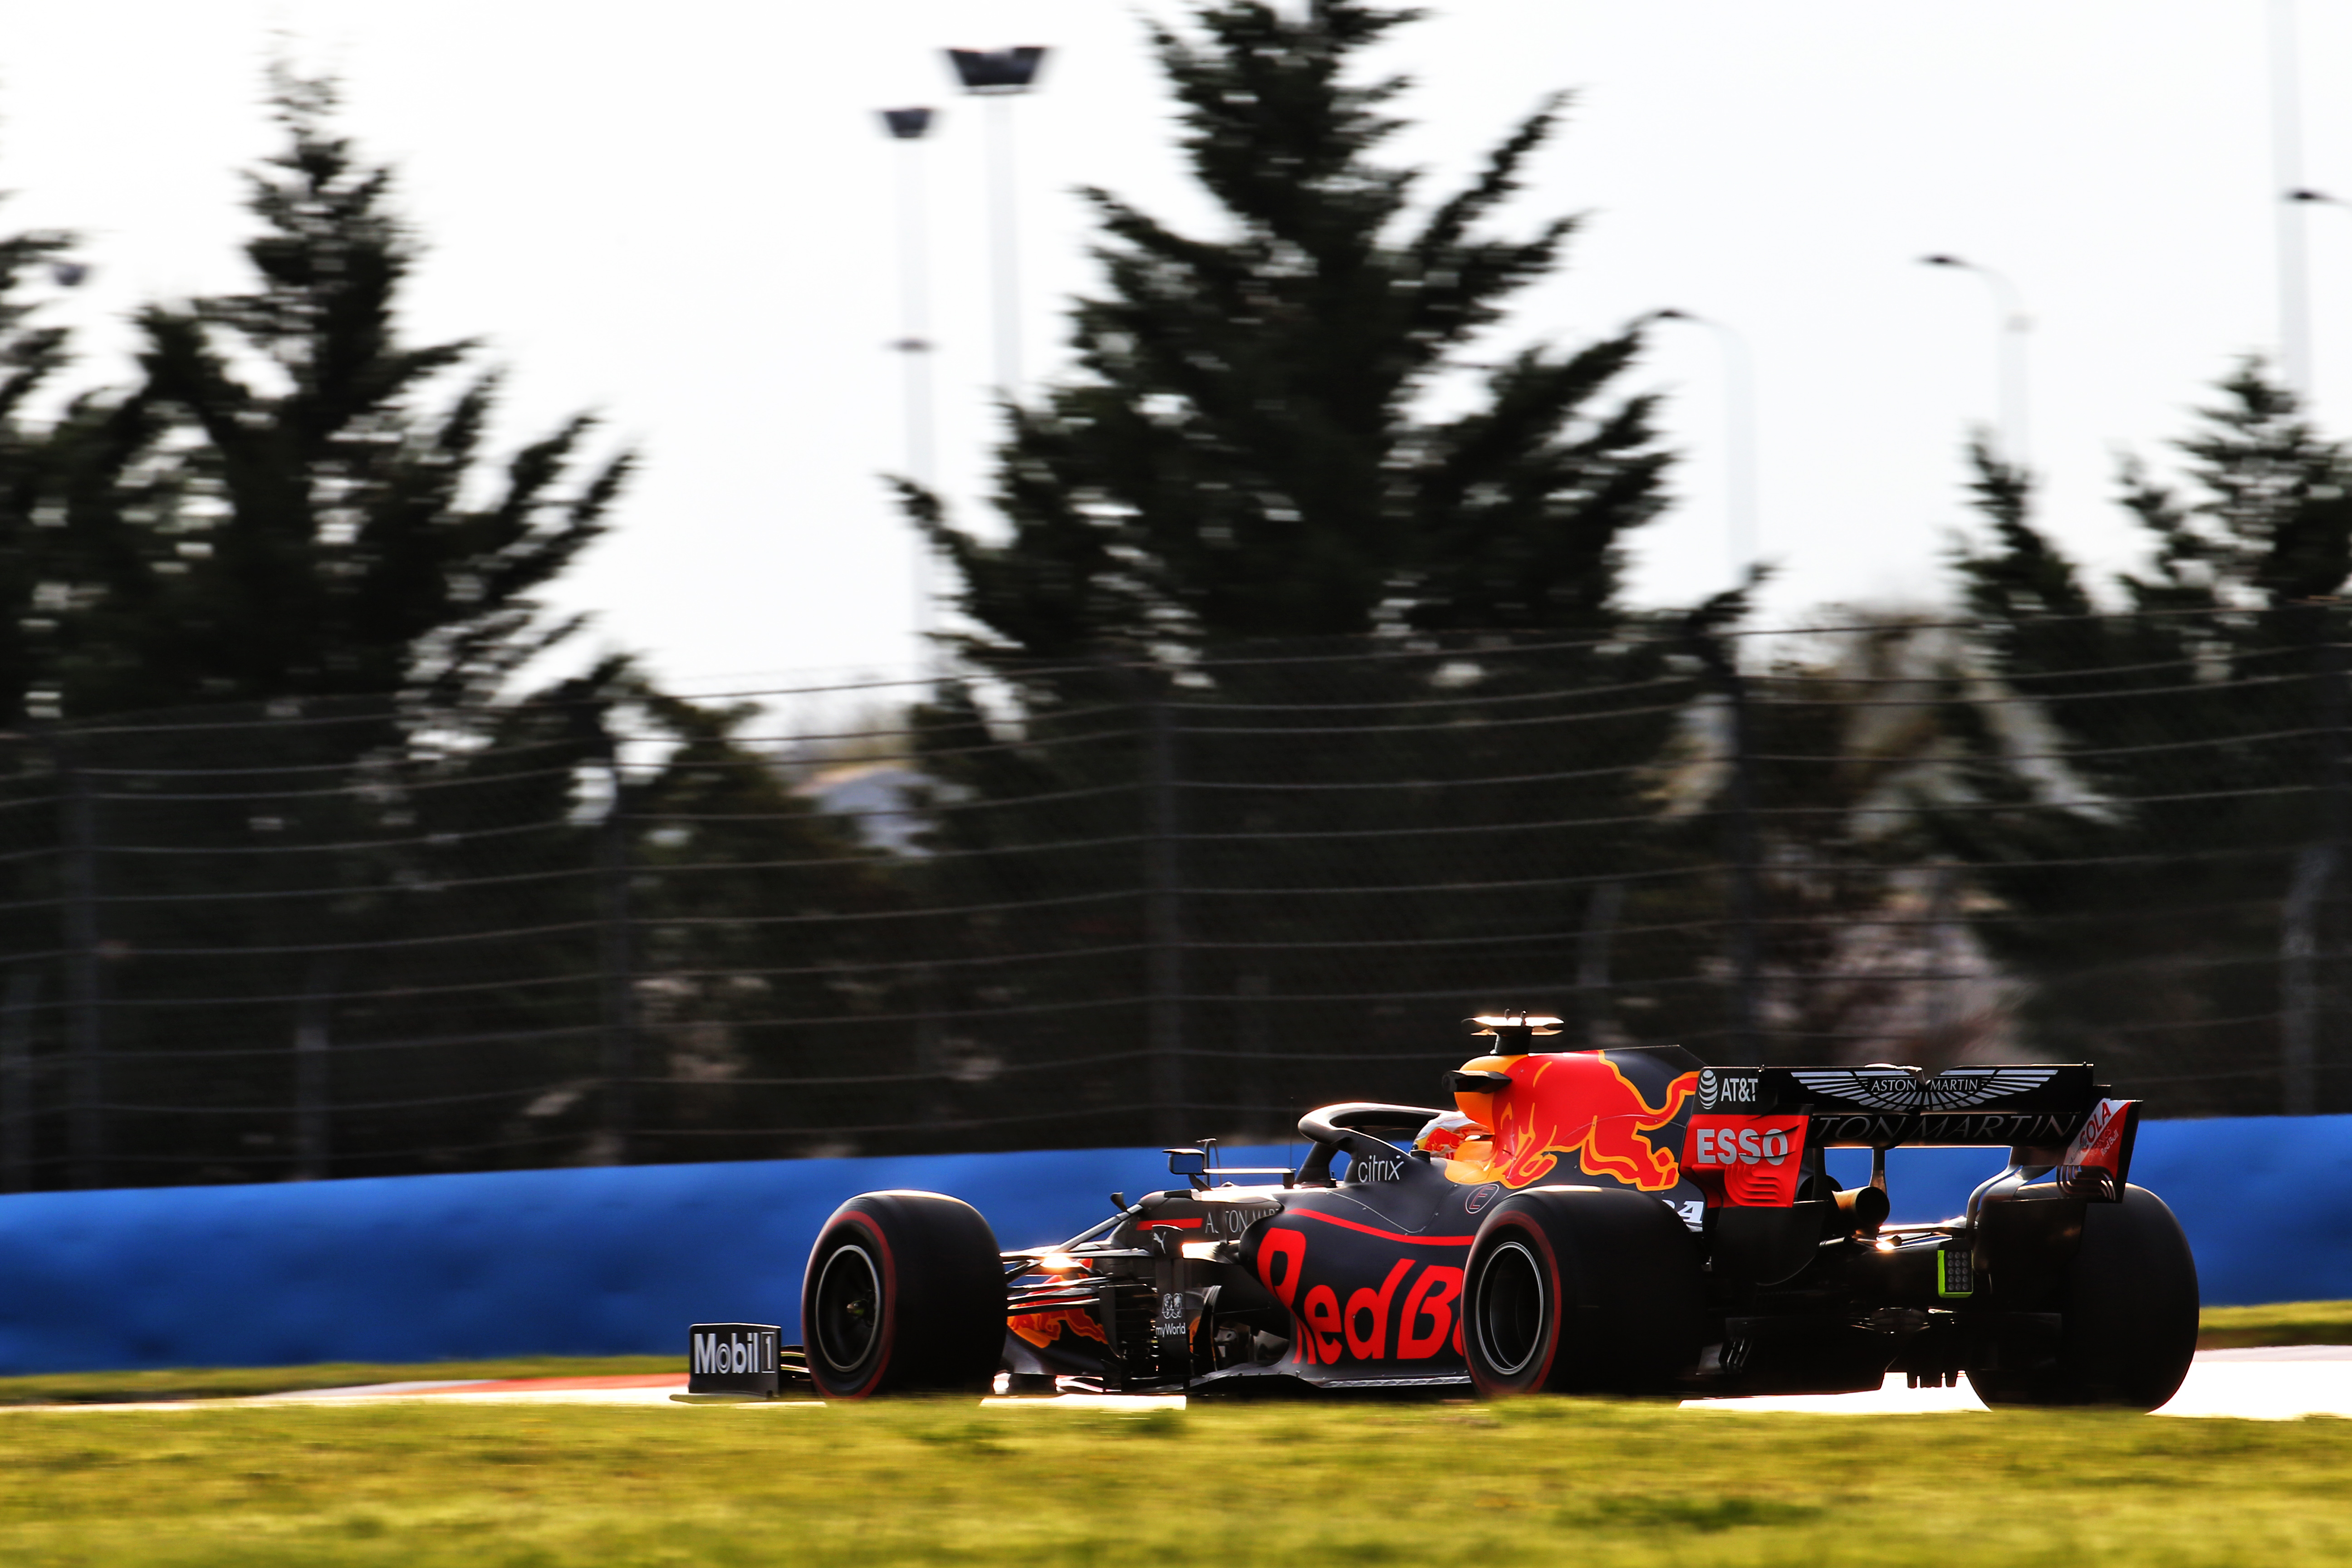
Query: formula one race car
1620, 1221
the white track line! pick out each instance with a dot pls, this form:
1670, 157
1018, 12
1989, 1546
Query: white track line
2272, 1383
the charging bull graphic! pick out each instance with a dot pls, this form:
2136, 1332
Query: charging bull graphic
1586, 1105
1042, 1328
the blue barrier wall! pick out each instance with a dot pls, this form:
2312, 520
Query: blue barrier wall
614, 1261
607, 1261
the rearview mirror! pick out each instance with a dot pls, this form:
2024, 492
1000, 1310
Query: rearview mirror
1187, 1162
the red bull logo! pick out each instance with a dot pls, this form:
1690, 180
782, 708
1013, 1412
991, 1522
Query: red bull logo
1042, 1328
1581, 1104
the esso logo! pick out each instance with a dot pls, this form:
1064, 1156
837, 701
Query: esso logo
1742, 1146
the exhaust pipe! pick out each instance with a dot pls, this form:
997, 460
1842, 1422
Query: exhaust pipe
1860, 1211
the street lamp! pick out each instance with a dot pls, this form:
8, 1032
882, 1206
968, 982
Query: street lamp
2303, 197
1000, 76
1738, 436
908, 127
2014, 324
2287, 170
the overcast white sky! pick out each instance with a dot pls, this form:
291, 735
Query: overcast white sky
683, 216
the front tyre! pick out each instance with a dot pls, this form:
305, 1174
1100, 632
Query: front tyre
2129, 1306
904, 1294
1580, 1290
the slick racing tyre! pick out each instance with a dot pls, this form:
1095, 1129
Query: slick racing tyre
904, 1294
1580, 1290
2128, 1315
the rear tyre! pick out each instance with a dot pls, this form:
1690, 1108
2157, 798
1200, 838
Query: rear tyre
1580, 1290
904, 1294
2129, 1306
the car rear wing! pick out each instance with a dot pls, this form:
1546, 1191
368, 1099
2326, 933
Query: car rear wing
1752, 1128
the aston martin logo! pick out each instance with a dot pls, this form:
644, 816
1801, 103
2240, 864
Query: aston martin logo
1892, 1089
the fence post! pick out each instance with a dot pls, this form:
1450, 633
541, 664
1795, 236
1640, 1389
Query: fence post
16, 1081
1163, 919
313, 1151
1253, 1091
2309, 929
1745, 1047
1601, 913
2299, 981
619, 1066
87, 1140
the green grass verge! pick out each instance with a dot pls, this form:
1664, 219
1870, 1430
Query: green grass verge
1540, 1480
231, 1382
2276, 1323
2279, 1323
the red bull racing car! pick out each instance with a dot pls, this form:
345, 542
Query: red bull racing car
1620, 1221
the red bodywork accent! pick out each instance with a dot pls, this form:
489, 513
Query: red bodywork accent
1321, 1340
1384, 1235
1373, 1346
1432, 1297
1748, 1162
1170, 1225
1042, 1328
2098, 1163
1582, 1104
1289, 1246
1417, 1310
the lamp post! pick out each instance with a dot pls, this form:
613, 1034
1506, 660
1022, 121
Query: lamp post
2013, 325
908, 127
1000, 76
2286, 172
2298, 197
1739, 437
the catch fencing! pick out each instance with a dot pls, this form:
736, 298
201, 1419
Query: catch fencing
1140, 897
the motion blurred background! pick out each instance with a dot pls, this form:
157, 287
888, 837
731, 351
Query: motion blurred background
1375, 601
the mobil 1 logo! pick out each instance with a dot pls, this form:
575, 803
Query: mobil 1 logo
732, 1358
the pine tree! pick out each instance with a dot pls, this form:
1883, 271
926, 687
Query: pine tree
1243, 452
276, 512
2204, 721
31, 354
1246, 453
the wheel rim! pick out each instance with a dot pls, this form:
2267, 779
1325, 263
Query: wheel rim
849, 1308
1511, 1308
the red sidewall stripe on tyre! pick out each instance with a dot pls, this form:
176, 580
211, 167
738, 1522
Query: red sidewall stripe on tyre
886, 1331
1552, 1288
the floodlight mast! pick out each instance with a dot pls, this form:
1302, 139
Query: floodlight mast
908, 127
1740, 438
2299, 197
2014, 324
2286, 172
1000, 76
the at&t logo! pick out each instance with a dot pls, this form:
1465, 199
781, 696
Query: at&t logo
1725, 1089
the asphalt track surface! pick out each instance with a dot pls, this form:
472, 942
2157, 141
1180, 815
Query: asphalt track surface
2270, 1384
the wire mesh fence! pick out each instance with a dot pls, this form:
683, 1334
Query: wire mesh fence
1134, 898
